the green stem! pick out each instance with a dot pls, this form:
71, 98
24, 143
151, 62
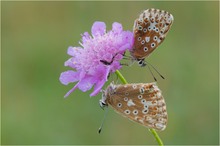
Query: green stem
123, 80
159, 141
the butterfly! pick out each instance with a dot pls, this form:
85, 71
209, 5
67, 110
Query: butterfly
140, 102
150, 30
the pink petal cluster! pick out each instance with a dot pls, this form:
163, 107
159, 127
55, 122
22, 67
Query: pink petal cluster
97, 57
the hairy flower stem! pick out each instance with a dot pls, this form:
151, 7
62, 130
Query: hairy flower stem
123, 80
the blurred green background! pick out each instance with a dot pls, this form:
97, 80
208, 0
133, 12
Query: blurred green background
35, 38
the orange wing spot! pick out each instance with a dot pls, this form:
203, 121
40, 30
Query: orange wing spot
154, 101
155, 108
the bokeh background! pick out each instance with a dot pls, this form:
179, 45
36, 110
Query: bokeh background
35, 37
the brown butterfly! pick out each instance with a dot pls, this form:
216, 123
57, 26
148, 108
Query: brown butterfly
150, 30
140, 102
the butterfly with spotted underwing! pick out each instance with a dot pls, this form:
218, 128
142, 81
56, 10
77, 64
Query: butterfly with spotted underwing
149, 30
140, 102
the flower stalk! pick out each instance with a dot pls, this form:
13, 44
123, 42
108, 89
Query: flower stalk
156, 136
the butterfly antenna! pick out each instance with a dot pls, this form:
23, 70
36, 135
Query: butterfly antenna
100, 128
156, 70
151, 73
127, 57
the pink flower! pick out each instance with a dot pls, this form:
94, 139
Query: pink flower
98, 56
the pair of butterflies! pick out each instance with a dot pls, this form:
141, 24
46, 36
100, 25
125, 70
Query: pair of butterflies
142, 102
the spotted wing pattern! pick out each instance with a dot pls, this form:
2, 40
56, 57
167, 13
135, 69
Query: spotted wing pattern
142, 103
150, 30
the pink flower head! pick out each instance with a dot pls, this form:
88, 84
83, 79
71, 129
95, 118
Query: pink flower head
98, 56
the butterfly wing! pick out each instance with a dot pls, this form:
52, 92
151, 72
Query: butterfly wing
141, 103
150, 30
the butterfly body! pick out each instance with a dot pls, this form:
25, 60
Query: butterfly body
141, 102
150, 30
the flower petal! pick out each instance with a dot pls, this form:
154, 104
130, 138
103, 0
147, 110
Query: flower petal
68, 77
74, 51
100, 83
86, 83
128, 38
85, 37
98, 28
69, 62
117, 27
68, 93
70, 51
124, 48
98, 87
115, 66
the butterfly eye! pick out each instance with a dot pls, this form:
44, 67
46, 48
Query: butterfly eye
102, 104
141, 63
142, 42
155, 38
149, 28
144, 30
139, 38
